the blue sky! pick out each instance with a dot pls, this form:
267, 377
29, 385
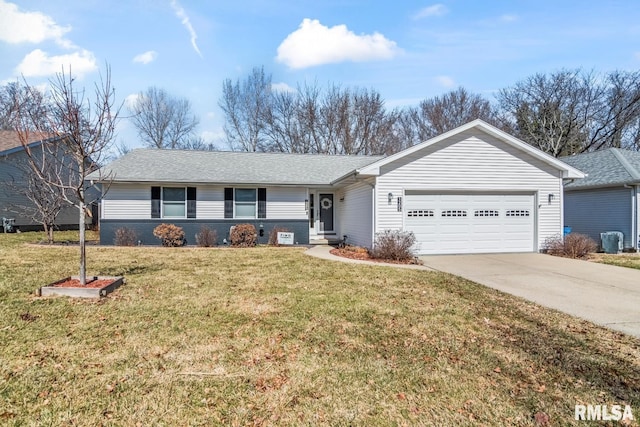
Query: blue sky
406, 50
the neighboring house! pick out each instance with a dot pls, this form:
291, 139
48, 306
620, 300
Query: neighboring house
608, 199
473, 189
13, 164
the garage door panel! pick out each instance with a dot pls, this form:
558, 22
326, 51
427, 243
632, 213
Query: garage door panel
471, 223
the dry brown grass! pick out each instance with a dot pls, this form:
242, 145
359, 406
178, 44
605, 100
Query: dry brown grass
270, 336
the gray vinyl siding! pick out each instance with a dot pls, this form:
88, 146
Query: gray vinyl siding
144, 229
10, 200
356, 215
471, 161
133, 201
592, 212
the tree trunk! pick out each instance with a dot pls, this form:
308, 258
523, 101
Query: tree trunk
48, 228
83, 256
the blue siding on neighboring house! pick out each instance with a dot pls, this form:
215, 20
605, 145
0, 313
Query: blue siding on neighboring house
592, 212
144, 228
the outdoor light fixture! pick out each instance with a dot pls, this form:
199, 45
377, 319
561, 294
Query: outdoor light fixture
551, 196
306, 204
389, 197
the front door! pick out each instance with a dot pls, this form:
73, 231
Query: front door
325, 206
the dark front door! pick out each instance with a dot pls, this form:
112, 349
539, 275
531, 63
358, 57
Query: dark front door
325, 205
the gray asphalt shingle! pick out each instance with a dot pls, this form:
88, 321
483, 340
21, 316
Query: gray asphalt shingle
223, 167
612, 166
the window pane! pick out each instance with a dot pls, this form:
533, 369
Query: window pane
245, 194
245, 210
174, 210
173, 194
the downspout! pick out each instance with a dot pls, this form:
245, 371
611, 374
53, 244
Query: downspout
374, 209
634, 215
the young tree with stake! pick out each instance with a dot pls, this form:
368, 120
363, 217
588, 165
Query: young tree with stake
83, 129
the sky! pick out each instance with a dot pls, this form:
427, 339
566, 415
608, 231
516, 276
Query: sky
407, 50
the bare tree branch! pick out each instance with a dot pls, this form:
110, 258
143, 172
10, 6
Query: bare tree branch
82, 130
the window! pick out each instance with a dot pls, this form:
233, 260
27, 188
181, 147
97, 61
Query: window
245, 203
518, 212
420, 212
486, 212
454, 213
173, 202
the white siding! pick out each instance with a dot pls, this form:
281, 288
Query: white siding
356, 214
127, 201
592, 212
286, 203
133, 201
210, 202
469, 162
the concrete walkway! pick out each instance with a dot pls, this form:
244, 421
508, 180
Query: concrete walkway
603, 294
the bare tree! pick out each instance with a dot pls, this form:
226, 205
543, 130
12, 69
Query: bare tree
13, 97
246, 107
84, 130
161, 120
437, 115
309, 120
571, 111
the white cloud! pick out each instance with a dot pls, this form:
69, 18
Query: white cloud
314, 44
282, 87
147, 57
38, 63
636, 55
433, 10
509, 18
131, 100
184, 18
213, 136
445, 81
17, 26
29, 27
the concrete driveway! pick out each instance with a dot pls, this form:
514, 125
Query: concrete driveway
604, 294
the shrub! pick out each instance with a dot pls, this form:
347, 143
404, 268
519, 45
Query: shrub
243, 236
394, 245
125, 237
355, 249
574, 245
206, 237
170, 235
273, 235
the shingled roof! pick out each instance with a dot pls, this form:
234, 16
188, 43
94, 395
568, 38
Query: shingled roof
224, 167
10, 141
605, 168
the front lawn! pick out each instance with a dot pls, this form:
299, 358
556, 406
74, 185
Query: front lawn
271, 336
630, 260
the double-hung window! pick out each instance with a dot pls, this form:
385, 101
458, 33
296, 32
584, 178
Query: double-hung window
245, 203
173, 202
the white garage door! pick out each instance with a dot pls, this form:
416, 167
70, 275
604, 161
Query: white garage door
471, 223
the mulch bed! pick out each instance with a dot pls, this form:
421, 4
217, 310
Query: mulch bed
364, 256
75, 283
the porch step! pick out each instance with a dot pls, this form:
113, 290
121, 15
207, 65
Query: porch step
324, 241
